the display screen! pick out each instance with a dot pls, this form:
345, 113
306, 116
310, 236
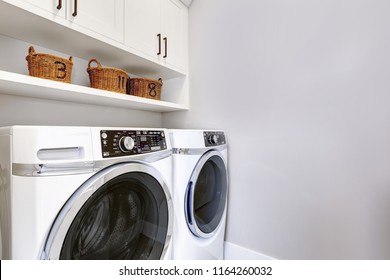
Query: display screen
116, 143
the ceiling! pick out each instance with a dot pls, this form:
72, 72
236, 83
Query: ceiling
187, 2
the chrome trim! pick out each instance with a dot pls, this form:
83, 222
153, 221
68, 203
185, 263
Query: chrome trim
63, 221
189, 199
197, 151
43, 169
69, 168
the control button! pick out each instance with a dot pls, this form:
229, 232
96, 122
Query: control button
126, 144
104, 135
212, 139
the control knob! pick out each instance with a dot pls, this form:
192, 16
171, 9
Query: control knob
213, 139
126, 144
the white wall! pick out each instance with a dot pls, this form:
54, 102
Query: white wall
302, 88
22, 110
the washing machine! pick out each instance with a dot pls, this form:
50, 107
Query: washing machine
200, 188
85, 193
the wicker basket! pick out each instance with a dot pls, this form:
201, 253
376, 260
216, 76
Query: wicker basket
111, 79
48, 66
143, 87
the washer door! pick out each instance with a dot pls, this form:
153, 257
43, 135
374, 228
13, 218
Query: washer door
122, 212
206, 195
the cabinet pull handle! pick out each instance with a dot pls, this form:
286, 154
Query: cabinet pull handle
75, 8
166, 47
159, 43
59, 6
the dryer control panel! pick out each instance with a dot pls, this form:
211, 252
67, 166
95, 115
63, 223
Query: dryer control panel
116, 143
214, 138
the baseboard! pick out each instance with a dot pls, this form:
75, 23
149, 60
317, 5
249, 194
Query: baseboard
236, 252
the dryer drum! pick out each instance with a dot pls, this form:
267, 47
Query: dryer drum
206, 196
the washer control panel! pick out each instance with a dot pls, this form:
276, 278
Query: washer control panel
116, 143
214, 138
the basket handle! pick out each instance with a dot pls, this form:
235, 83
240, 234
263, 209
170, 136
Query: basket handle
31, 50
96, 61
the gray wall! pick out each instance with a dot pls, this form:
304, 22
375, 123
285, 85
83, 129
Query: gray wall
302, 89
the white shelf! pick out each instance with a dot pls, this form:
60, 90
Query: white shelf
22, 85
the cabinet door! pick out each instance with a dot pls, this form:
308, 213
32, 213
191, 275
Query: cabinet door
56, 7
143, 25
102, 16
174, 28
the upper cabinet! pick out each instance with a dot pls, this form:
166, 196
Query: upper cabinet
143, 24
158, 28
55, 7
174, 29
101, 16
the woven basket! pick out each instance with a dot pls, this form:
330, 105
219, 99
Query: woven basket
143, 87
111, 79
48, 66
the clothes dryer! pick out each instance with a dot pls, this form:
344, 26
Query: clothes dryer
85, 193
200, 187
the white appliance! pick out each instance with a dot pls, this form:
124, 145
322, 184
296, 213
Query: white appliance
85, 193
200, 187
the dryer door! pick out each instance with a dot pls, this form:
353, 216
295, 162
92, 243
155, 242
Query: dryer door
122, 212
206, 195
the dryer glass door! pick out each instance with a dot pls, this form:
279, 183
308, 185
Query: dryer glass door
206, 195
123, 212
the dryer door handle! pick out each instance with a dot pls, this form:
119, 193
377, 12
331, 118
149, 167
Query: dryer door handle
190, 203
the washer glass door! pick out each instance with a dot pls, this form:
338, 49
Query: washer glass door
206, 195
123, 212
